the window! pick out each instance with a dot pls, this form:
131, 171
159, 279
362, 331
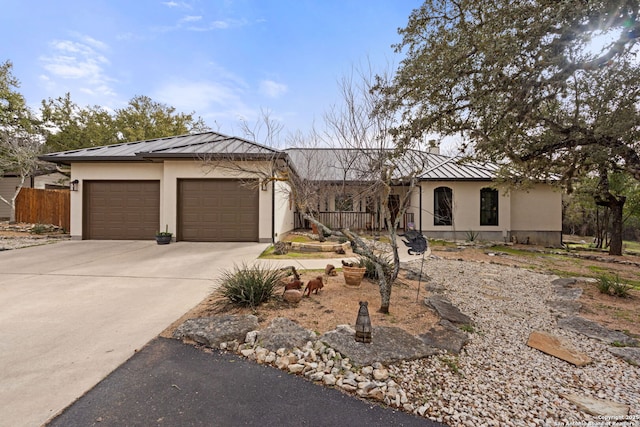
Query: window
488, 206
442, 206
344, 203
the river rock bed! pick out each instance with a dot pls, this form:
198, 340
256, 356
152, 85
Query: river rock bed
496, 380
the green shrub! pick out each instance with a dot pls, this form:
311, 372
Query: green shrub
604, 284
472, 236
620, 289
249, 285
613, 286
39, 229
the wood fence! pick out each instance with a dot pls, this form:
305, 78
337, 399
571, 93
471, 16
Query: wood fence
352, 220
37, 206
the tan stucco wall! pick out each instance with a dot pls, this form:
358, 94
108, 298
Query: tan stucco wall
466, 207
168, 174
536, 213
539, 208
284, 209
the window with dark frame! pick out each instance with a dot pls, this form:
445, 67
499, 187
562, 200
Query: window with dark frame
488, 206
442, 206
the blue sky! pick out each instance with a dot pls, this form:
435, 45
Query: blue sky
222, 59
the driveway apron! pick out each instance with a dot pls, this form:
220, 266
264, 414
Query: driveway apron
72, 312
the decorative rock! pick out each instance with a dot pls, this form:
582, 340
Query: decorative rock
317, 376
282, 362
283, 332
212, 331
389, 344
597, 407
448, 311
380, 374
631, 355
295, 368
376, 393
292, 296
248, 352
445, 336
595, 330
329, 379
554, 346
251, 338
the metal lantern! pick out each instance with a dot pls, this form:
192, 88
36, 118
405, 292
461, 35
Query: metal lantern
363, 324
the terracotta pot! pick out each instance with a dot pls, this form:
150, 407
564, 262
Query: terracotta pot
353, 275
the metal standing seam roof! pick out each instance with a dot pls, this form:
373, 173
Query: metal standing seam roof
331, 164
174, 146
323, 164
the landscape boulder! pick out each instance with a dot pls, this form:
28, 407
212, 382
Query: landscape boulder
388, 345
284, 333
557, 347
212, 331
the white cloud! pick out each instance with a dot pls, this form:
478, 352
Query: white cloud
80, 60
190, 18
199, 96
272, 89
181, 4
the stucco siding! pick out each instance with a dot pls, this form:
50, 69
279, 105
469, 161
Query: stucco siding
540, 208
168, 173
284, 209
537, 216
466, 207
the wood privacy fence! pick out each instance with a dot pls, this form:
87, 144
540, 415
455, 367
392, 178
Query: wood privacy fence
37, 206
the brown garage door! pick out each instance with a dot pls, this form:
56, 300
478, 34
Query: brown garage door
217, 210
121, 210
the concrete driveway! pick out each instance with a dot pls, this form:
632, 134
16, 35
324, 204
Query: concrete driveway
72, 312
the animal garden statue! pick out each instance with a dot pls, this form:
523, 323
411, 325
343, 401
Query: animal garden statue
314, 285
415, 241
363, 324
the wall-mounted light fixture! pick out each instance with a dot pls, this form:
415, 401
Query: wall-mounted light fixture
73, 185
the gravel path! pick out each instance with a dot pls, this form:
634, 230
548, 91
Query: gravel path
498, 380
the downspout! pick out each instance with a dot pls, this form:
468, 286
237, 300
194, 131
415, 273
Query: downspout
420, 207
273, 212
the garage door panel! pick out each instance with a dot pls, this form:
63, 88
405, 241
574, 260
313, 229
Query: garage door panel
217, 210
121, 210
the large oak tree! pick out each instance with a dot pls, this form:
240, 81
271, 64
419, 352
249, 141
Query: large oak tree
549, 88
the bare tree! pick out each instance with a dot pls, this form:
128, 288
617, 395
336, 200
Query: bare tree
18, 155
384, 172
354, 160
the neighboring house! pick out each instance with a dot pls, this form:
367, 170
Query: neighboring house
8, 185
201, 187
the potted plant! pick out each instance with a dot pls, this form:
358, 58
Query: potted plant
353, 273
164, 237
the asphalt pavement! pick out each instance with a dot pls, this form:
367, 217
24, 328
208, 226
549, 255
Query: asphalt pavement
168, 383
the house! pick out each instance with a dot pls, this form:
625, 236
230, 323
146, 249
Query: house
212, 187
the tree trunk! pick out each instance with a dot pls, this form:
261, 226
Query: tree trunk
615, 245
616, 206
385, 295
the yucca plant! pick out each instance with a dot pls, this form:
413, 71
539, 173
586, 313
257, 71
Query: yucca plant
249, 286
